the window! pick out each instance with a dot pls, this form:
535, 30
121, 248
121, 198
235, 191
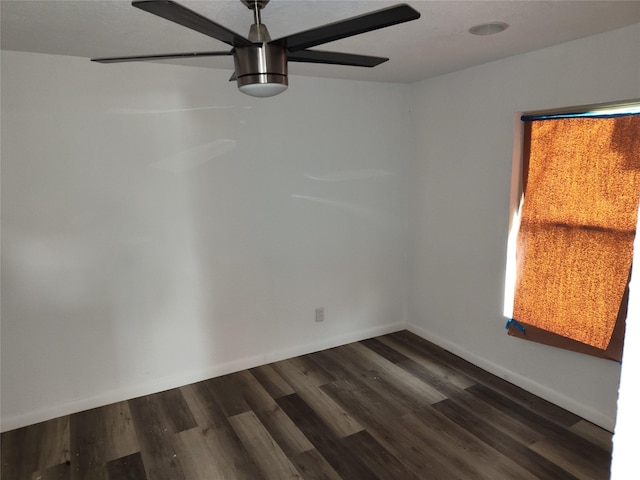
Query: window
571, 244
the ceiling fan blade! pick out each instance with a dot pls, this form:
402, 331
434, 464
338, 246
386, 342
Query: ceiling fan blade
176, 13
351, 26
335, 58
139, 58
234, 77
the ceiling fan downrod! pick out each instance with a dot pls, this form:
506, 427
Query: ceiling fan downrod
256, 6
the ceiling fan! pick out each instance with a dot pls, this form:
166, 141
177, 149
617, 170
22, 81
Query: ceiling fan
261, 63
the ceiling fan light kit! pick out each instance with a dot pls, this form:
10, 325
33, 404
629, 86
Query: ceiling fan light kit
261, 63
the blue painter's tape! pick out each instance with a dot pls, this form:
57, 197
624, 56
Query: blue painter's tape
516, 324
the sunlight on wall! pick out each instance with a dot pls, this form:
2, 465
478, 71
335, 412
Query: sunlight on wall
510, 277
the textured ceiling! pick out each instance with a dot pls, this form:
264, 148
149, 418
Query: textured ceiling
437, 43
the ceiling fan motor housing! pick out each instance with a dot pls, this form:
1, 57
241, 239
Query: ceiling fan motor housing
261, 63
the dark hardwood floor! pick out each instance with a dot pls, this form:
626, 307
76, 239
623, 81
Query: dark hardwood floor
392, 407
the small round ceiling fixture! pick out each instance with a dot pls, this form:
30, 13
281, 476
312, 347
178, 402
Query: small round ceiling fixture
489, 28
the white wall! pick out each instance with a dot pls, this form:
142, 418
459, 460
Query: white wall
159, 227
459, 208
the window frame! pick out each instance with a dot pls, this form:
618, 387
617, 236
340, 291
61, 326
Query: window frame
520, 157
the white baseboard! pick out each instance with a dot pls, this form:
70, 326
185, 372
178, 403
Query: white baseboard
527, 384
185, 378
173, 381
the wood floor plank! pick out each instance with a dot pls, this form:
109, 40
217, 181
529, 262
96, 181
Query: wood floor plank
17, 461
439, 354
439, 367
579, 463
215, 453
247, 391
471, 405
389, 400
501, 442
376, 400
471, 457
243, 389
198, 461
228, 391
356, 370
395, 375
121, 439
202, 458
315, 374
441, 384
404, 443
254, 393
88, 446
380, 460
155, 432
307, 420
341, 368
204, 408
427, 448
542, 407
35, 449
216, 431
240, 392
539, 422
525, 399
324, 439
272, 381
313, 466
177, 415
339, 421
385, 351
284, 431
594, 434
55, 446
98, 436
129, 467
61, 471
265, 451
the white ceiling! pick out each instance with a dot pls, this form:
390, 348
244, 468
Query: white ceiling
437, 43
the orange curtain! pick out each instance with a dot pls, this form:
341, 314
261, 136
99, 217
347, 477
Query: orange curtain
575, 244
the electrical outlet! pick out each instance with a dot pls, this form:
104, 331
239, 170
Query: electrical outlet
320, 314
